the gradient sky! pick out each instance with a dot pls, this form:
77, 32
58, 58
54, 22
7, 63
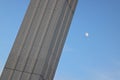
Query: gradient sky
96, 57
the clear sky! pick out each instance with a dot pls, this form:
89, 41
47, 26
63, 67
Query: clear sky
92, 48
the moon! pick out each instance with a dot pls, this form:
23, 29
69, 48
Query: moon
86, 34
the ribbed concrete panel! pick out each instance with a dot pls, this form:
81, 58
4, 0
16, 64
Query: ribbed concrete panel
35, 77
38, 40
52, 69
56, 32
23, 32
69, 1
73, 5
25, 76
6, 75
38, 46
16, 75
51, 30
31, 36
57, 55
46, 42
58, 42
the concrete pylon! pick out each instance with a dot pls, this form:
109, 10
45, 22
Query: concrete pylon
39, 43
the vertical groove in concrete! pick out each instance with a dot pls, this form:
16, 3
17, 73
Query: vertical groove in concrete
38, 45
37, 26
58, 53
38, 40
43, 50
60, 31
35, 77
58, 42
29, 40
25, 76
6, 75
46, 64
19, 42
16, 75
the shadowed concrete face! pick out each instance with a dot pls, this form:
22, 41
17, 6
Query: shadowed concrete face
38, 45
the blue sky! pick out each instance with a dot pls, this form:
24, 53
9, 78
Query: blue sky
95, 57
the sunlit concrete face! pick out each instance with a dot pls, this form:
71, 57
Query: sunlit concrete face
39, 43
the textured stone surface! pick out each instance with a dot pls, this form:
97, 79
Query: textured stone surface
40, 40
